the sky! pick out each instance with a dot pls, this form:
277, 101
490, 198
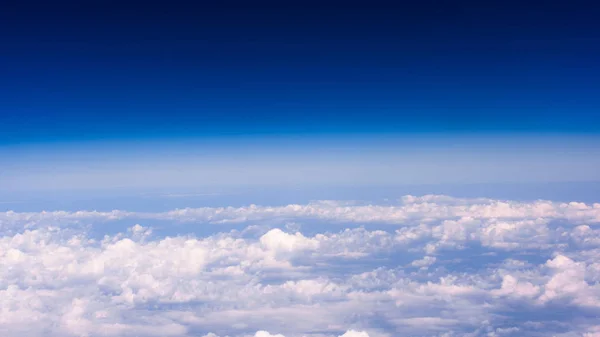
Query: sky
103, 70
492, 91
267, 162
314, 169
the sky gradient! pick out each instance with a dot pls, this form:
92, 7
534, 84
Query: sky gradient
101, 70
252, 162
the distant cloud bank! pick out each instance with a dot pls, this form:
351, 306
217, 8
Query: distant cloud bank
420, 266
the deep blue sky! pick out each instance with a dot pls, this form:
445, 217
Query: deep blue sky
110, 69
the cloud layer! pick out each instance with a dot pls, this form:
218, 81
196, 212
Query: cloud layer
420, 266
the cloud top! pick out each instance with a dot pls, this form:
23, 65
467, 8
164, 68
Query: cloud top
424, 266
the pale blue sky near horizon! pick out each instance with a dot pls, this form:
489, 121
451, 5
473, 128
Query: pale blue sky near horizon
281, 161
243, 170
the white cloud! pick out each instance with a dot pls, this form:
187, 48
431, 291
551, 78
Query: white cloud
513, 287
353, 333
408, 209
498, 262
280, 242
266, 334
424, 262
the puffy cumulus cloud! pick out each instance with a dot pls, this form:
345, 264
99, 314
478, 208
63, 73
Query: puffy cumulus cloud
280, 242
426, 266
511, 286
568, 282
